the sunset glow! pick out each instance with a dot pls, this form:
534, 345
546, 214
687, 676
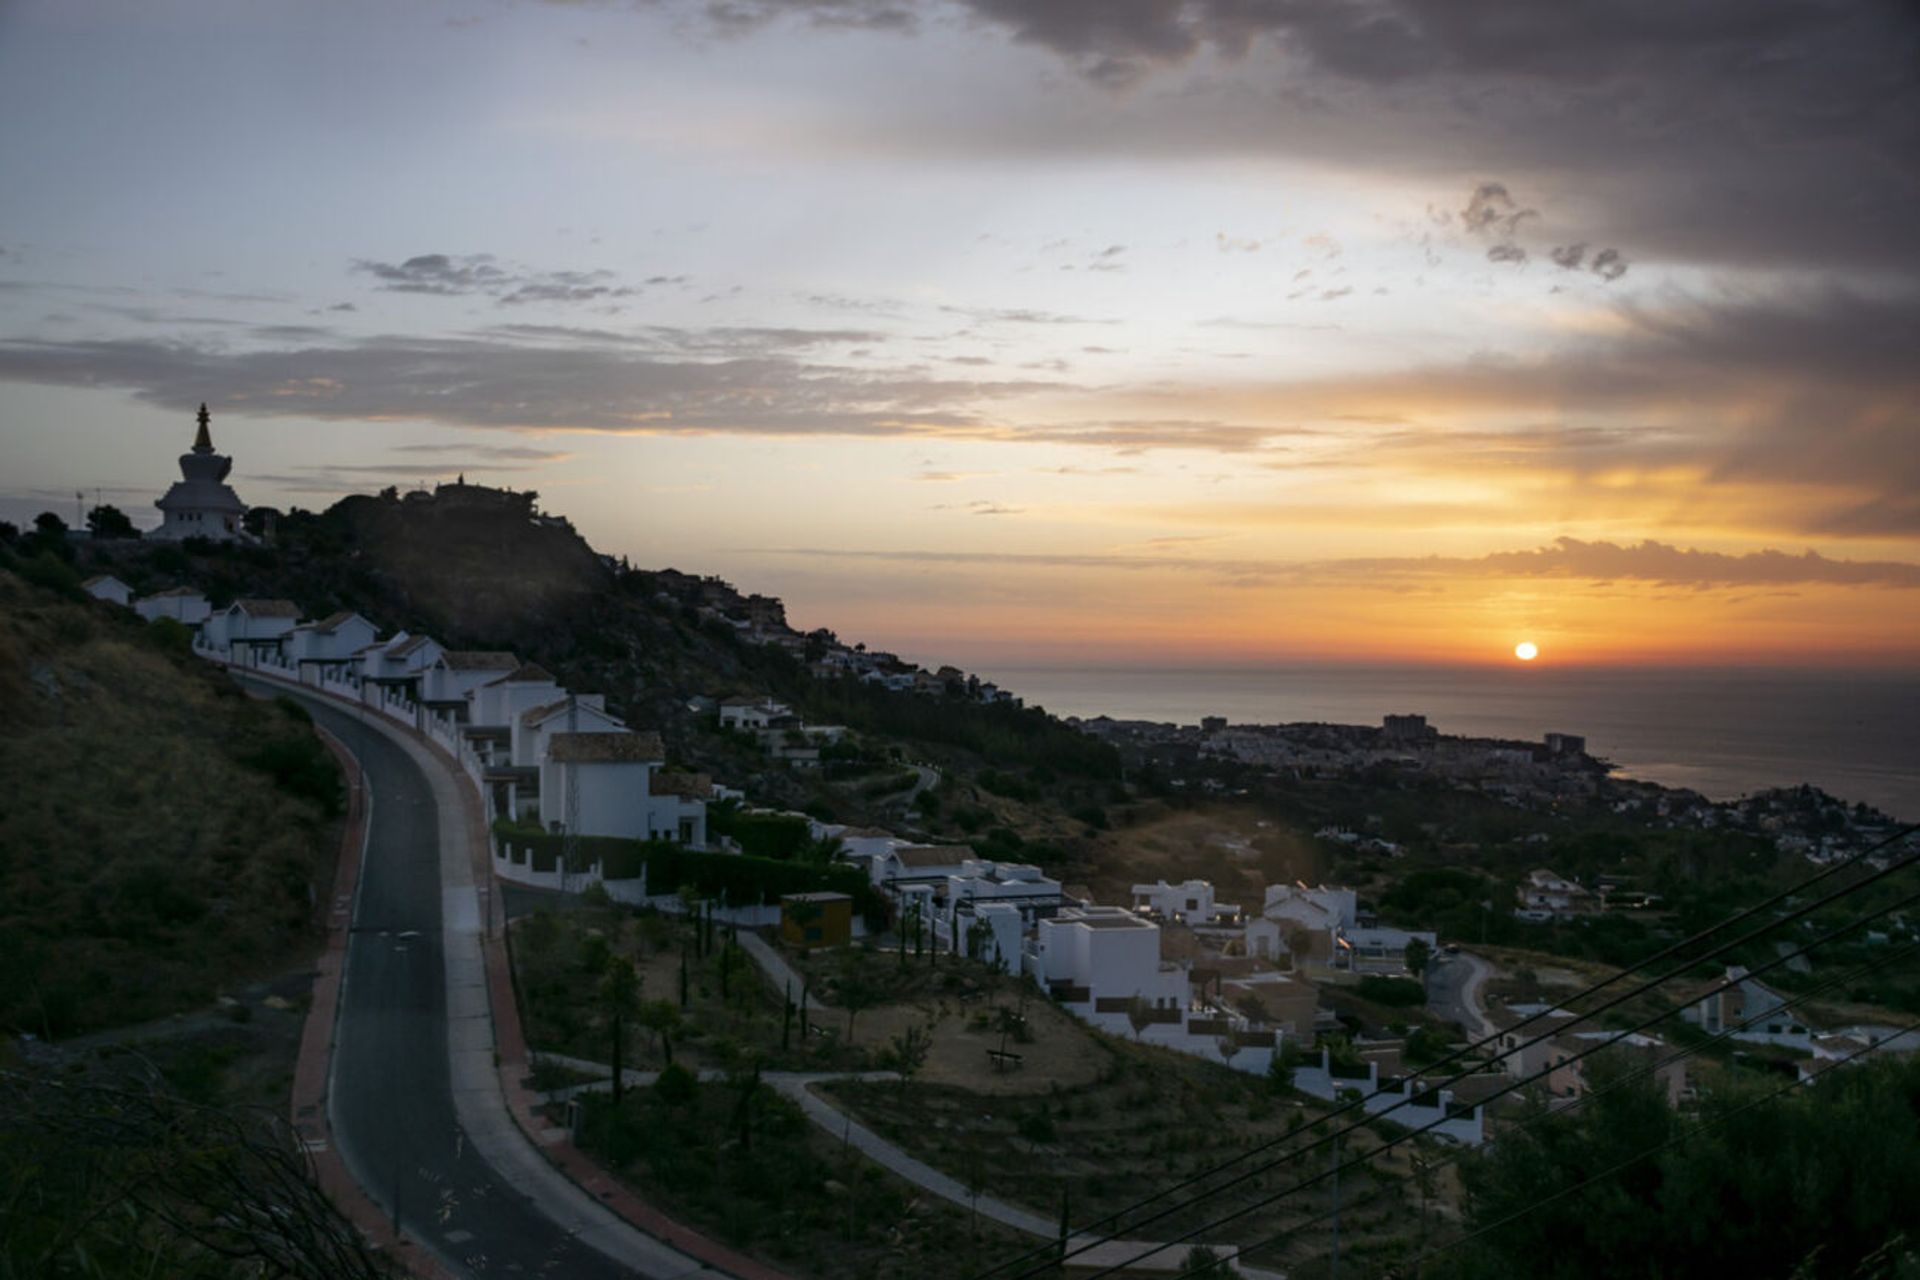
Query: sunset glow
983, 338
1526, 651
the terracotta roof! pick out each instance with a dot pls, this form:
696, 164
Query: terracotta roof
932, 855
479, 660
528, 674
268, 608
743, 700
173, 593
605, 748
406, 647
98, 578
692, 786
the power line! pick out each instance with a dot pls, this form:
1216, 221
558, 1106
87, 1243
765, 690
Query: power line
1632, 1160
1414, 1133
1045, 1257
1650, 1069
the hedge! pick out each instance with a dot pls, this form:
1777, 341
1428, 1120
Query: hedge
737, 878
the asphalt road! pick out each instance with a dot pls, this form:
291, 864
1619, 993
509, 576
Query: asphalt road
391, 1103
1453, 991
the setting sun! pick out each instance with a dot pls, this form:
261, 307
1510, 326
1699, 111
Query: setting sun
1526, 651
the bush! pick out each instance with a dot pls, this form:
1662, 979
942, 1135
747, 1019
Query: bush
1401, 993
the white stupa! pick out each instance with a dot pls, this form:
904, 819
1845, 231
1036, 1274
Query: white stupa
200, 505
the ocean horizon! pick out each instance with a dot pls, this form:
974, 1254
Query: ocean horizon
1724, 732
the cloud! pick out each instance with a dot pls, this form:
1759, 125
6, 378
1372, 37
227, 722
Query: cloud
1021, 315
449, 275
498, 382
1649, 562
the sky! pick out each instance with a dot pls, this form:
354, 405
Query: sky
1156, 332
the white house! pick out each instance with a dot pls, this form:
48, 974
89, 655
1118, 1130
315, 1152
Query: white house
575, 713
331, 642
401, 661
497, 702
1543, 895
1748, 1010
104, 586
928, 864
1024, 887
1190, 902
677, 810
1103, 958
449, 680
183, 604
601, 781
250, 630
1303, 921
1378, 948
751, 713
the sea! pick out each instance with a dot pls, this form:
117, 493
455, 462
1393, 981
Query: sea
1724, 732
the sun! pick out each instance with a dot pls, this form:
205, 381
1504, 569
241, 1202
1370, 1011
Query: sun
1526, 651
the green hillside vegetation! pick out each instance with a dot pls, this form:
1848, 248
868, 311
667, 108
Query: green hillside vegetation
162, 835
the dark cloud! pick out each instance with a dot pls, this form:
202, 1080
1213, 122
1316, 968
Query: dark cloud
497, 382
1762, 132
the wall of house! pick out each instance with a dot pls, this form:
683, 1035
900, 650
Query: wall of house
613, 797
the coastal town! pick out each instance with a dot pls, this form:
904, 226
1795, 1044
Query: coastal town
574, 796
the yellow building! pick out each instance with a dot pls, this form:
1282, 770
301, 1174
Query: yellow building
816, 919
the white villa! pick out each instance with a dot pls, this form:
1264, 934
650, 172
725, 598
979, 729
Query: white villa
751, 713
1546, 896
183, 604
200, 504
1098, 960
401, 661
607, 780
1190, 902
449, 680
1738, 1001
104, 586
334, 641
250, 631
534, 728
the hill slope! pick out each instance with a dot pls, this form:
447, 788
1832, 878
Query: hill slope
161, 835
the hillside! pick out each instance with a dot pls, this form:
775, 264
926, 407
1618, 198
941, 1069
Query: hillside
483, 568
162, 836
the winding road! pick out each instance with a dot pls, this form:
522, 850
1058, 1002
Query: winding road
412, 1059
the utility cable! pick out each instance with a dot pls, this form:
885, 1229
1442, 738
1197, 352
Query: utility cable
1639, 1072
1630, 1161
1047, 1256
1768, 967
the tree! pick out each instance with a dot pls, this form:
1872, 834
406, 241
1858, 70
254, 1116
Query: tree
855, 991
49, 525
907, 1052
104, 1174
110, 522
618, 999
1281, 1066
1139, 1015
663, 1019
1417, 955
1228, 1048
1203, 1263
